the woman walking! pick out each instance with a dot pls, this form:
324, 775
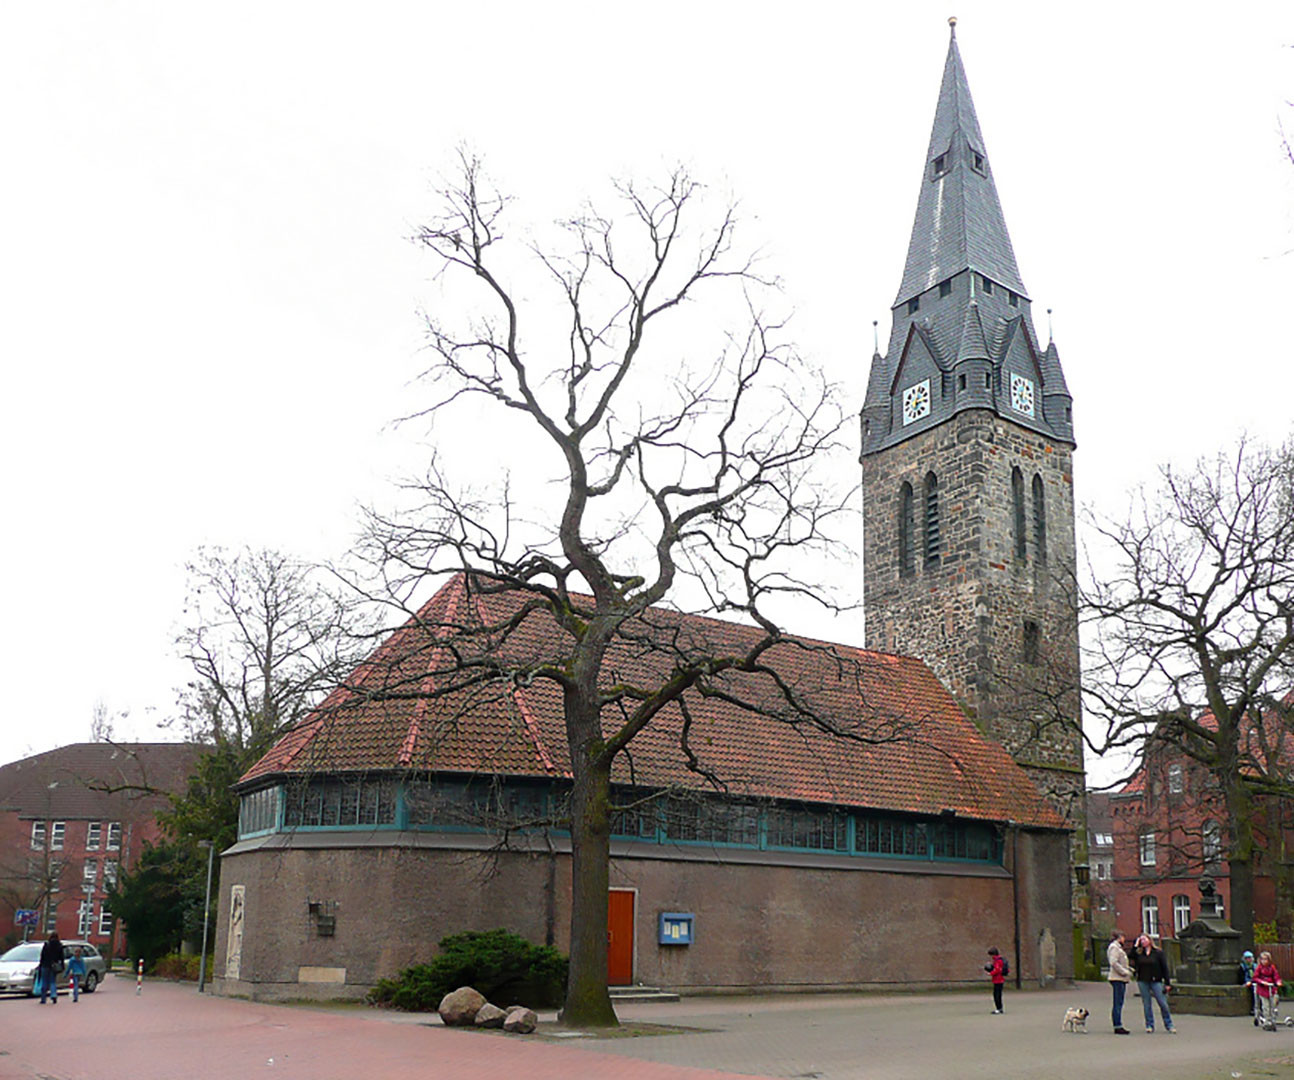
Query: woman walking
51, 963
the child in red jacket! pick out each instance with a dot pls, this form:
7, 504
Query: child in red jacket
1267, 981
996, 968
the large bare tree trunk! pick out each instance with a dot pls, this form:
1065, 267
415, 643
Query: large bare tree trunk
588, 1003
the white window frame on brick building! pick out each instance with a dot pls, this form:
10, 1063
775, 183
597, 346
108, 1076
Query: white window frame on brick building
93, 835
1211, 841
84, 917
90, 873
57, 835
1181, 913
114, 836
51, 916
105, 920
1176, 785
38, 836
1146, 847
109, 872
1150, 916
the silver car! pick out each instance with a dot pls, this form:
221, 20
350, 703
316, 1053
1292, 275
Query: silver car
18, 967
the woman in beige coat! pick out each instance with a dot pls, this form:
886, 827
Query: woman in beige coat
1119, 975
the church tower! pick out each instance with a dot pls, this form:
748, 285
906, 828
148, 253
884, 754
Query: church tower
967, 456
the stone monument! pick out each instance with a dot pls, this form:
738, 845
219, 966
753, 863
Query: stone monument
1207, 980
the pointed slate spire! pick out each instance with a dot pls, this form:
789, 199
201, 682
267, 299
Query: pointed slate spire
959, 223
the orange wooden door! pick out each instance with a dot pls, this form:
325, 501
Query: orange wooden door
620, 937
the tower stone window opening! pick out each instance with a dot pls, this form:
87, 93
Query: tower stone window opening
1017, 517
1039, 520
907, 531
932, 519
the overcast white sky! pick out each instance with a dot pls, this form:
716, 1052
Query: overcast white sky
208, 302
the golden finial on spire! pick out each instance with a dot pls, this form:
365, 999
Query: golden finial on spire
952, 23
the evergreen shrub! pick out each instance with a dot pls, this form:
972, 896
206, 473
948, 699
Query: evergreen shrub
503, 966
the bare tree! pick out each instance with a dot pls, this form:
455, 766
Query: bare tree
668, 480
266, 639
1193, 634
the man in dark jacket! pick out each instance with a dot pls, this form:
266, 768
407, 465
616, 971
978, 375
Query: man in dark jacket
51, 963
1153, 978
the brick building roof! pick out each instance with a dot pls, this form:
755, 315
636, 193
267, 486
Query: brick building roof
897, 738
95, 780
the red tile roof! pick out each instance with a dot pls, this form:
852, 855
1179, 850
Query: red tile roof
95, 781
899, 741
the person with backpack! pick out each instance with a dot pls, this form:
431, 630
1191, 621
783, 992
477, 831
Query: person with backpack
998, 969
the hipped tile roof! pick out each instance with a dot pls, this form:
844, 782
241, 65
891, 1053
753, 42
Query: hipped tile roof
94, 781
897, 741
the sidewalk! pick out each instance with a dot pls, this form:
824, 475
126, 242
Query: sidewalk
173, 1033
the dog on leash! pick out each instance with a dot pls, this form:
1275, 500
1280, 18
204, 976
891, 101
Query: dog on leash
1075, 1021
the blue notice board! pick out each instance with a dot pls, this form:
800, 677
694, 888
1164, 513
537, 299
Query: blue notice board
676, 927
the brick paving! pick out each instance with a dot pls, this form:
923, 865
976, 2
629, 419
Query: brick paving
172, 1033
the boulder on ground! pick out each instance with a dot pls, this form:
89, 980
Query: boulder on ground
520, 1020
490, 1016
459, 1007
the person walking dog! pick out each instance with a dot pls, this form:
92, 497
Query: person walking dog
1120, 975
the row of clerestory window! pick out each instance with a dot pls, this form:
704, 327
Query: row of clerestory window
926, 540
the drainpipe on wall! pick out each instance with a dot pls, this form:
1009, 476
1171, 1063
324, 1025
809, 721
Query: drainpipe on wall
1015, 896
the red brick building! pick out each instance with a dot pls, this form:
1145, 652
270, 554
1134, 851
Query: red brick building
1168, 829
71, 820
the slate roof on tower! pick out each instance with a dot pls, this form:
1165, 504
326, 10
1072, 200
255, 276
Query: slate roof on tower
962, 325
401, 712
959, 222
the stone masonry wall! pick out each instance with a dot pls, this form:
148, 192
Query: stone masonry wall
965, 616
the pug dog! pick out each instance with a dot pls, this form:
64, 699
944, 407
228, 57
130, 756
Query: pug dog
1075, 1021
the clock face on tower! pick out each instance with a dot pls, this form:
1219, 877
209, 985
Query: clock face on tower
1022, 394
916, 401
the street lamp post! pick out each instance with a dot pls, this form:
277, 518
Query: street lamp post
206, 916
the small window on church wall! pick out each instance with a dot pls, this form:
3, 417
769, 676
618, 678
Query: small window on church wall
1039, 520
945, 288
1017, 517
914, 305
907, 531
1032, 641
986, 285
1013, 299
988, 380
961, 383
978, 159
932, 519
937, 168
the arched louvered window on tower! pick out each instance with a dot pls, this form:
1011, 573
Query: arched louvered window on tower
1039, 520
931, 532
1017, 516
907, 531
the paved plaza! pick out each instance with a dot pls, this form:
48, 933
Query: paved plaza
172, 1033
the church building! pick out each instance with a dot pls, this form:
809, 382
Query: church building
383, 823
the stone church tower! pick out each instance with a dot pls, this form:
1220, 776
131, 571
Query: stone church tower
967, 455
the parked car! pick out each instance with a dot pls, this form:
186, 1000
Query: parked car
18, 967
